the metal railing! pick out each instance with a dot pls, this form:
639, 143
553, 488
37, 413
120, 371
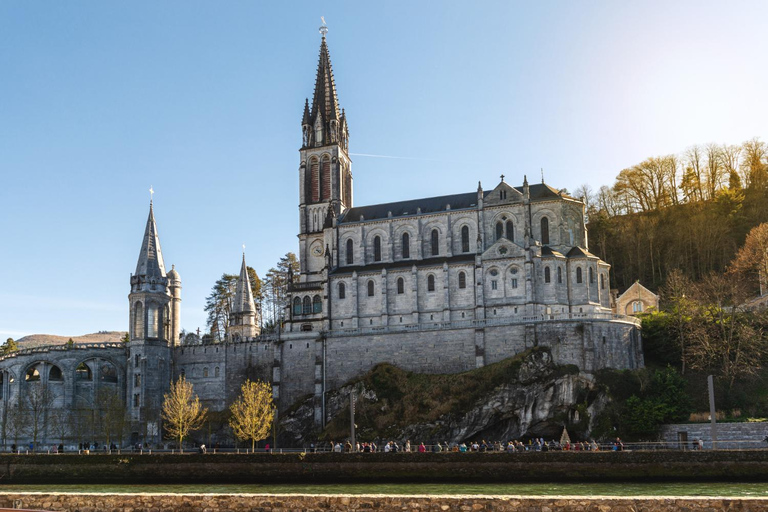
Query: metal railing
482, 323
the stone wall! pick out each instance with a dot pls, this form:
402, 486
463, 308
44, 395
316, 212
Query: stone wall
729, 435
140, 502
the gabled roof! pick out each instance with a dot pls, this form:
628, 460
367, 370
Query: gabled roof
547, 251
243, 300
410, 207
150, 263
578, 252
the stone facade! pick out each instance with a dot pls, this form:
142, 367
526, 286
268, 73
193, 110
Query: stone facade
635, 300
141, 502
436, 285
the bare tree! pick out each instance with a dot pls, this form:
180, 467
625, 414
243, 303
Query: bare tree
39, 400
751, 262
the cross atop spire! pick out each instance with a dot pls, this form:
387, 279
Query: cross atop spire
323, 27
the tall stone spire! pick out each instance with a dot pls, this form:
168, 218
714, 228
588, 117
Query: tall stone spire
325, 103
150, 264
243, 302
244, 317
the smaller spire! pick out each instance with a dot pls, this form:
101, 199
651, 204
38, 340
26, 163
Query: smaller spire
243, 302
150, 263
305, 120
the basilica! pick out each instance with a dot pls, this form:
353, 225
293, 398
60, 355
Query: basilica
433, 285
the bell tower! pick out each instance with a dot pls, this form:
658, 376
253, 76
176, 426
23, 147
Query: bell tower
154, 300
325, 170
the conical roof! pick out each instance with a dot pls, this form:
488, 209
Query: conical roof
243, 301
150, 262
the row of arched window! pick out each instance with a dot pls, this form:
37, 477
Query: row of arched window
405, 251
183, 372
308, 305
579, 276
371, 285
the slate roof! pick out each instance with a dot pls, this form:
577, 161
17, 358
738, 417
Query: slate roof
243, 302
538, 192
547, 251
150, 263
578, 252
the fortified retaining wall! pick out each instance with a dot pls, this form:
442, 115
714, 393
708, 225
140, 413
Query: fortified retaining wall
237, 502
383, 467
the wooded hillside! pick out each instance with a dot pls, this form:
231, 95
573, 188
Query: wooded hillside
690, 211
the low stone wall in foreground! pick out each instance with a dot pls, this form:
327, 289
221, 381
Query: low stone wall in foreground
261, 502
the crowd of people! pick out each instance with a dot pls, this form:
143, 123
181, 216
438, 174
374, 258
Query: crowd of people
533, 445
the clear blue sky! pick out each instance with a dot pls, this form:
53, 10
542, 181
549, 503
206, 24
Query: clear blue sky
203, 101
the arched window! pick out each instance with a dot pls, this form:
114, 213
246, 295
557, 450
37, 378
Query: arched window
216, 372
350, 252
637, 307
317, 304
544, 231
406, 245
499, 230
83, 372
510, 231
400, 285
342, 291
325, 178
559, 275
602, 281
377, 248
296, 306
435, 242
183, 374
138, 321
108, 372
153, 317
465, 239
370, 287
314, 177
462, 280
33, 374
205, 371
430, 283
591, 276
307, 305
54, 374
578, 275
547, 276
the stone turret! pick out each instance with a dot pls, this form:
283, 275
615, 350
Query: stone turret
155, 301
244, 317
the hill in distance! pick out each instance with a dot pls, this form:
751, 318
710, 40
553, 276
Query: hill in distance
40, 340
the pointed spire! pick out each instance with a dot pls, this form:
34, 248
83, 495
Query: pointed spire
150, 262
305, 119
243, 302
324, 102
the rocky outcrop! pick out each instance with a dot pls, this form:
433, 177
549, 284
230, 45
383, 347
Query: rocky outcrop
536, 399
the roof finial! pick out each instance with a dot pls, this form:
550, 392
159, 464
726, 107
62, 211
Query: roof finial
243, 250
542, 175
323, 27
502, 178
151, 193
